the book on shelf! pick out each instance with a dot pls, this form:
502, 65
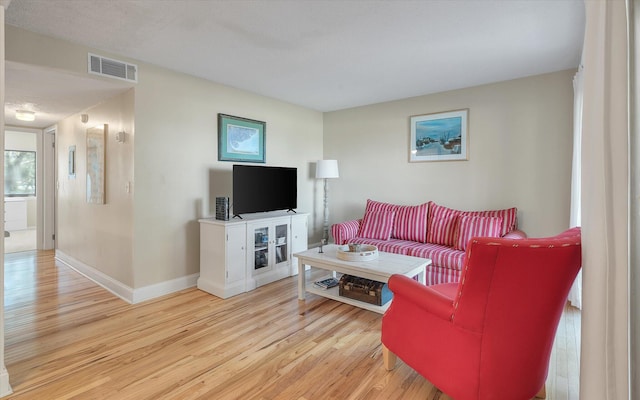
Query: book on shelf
326, 283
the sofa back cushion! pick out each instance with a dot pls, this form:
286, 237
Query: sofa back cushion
410, 222
377, 225
441, 225
509, 218
470, 226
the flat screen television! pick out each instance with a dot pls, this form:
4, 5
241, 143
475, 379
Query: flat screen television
260, 188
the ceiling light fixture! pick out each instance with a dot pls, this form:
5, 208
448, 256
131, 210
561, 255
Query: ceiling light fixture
24, 115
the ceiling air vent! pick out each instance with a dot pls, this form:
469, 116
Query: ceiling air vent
113, 68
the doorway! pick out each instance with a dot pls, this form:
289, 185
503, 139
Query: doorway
20, 199
29, 197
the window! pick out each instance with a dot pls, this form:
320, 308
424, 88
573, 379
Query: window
19, 173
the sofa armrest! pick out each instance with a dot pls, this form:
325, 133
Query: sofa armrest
515, 234
345, 231
424, 297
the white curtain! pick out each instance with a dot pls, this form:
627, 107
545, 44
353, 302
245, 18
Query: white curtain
604, 368
634, 195
575, 295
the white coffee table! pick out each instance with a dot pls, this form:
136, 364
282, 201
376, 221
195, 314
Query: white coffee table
379, 270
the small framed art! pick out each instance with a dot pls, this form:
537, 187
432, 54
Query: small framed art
72, 162
241, 139
439, 137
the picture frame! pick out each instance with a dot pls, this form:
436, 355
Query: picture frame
241, 139
442, 136
72, 162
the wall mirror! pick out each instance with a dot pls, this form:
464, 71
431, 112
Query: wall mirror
96, 164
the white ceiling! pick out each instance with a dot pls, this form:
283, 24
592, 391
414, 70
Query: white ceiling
322, 54
53, 95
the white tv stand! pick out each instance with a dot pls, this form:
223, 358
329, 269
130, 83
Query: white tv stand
238, 255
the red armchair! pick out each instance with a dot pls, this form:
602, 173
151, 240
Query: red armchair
490, 335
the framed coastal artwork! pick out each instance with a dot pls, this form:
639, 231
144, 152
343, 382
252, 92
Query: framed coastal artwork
440, 136
241, 139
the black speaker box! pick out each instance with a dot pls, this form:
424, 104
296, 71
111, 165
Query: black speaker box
222, 208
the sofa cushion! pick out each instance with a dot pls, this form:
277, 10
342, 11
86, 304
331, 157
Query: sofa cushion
468, 227
441, 225
436, 275
509, 217
410, 221
446, 263
395, 246
442, 256
377, 225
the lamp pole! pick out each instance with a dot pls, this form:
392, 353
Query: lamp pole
326, 169
325, 225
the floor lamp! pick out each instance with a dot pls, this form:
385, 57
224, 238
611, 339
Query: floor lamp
326, 169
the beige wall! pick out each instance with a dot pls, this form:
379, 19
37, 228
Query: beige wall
99, 235
31, 48
177, 175
520, 135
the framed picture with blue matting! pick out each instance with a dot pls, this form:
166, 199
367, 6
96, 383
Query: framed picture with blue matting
241, 139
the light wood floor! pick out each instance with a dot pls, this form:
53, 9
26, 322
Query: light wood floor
67, 338
22, 240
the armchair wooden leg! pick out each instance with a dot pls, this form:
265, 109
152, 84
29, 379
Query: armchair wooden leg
542, 394
389, 358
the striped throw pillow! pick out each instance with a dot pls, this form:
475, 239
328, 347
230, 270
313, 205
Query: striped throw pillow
469, 226
377, 225
441, 225
373, 205
509, 218
410, 221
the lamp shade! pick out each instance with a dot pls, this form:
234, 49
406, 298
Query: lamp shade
327, 169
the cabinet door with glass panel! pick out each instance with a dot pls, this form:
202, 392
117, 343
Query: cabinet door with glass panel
269, 243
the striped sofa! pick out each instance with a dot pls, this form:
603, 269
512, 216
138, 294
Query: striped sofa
427, 230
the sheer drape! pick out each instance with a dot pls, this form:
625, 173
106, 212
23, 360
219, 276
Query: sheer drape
605, 172
575, 295
634, 185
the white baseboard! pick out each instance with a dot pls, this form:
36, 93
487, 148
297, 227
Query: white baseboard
160, 289
222, 291
114, 286
5, 387
123, 291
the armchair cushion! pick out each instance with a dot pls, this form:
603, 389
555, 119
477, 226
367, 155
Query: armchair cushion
428, 298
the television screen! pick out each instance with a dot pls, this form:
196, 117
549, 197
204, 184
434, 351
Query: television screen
261, 188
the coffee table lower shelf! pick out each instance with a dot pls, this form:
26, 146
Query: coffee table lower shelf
333, 294
380, 270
